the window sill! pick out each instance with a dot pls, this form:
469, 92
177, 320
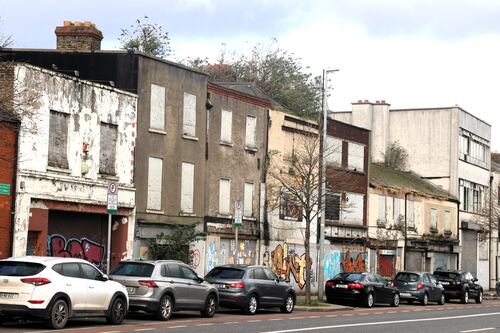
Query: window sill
434, 231
189, 137
227, 144
154, 211
251, 149
187, 214
157, 131
225, 216
249, 218
58, 170
110, 177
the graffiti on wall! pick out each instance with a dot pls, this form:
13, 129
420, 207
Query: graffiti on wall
195, 258
353, 263
386, 265
222, 251
332, 264
287, 264
82, 248
336, 262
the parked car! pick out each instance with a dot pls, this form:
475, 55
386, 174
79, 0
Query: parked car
419, 286
362, 288
250, 288
460, 285
56, 289
164, 286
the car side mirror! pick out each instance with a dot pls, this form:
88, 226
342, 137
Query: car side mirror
104, 278
474, 280
281, 279
200, 279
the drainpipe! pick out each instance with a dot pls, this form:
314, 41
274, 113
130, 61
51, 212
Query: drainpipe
458, 234
14, 193
492, 279
406, 230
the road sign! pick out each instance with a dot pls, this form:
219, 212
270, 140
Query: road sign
4, 189
112, 198
238, 213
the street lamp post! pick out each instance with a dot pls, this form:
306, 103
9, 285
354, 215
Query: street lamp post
324, 125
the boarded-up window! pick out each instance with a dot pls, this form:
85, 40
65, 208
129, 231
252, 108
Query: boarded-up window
155, 176
58, 140
356, 157
447, 221
353, 208
333, 151
187, 187
107, 155
157, 112
290, 208
382, 212
434, 219
248, 200
396, 209
189, 115
332, 206
226, 125
411, 214
224, 195
250, 131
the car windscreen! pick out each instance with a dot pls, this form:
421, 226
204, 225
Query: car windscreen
407, 277
225, 273
351, 277
447, 275
133, 269
20, 268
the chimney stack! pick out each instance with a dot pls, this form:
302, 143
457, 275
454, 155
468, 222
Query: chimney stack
78, 36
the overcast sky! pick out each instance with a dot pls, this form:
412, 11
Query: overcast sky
411, 53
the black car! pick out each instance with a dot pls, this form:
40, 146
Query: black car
250, 288
460, 285
419, 286
362, 288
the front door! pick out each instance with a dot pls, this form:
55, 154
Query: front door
277, 289
98, 296
75, 286
197, 291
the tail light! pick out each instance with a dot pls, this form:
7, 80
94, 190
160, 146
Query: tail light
36, 281
148, 283
237, 285
329, 284
355, 286
36, 301
420, 286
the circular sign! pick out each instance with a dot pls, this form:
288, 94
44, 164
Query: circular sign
112, 188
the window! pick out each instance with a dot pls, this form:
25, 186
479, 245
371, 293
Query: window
471, 196
173, 271
473, 149
332, 206
447, 221
89, 272
107, 154
382, 213
333, 151
20, 268
226, 126
396, 209
58, 140
187, 187
248, 200
434, 219
356, 157
259, 274
226, 273
224, 196
155, 175
410, 210
289, 208
70, 270
188, 273
352, 208
133, 269
251, 125
270, 274
157, 108
189, 115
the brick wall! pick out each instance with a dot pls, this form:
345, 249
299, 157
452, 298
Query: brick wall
78, 36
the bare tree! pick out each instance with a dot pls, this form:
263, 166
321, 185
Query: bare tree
149, 38
5, 40
489, 212
396, 156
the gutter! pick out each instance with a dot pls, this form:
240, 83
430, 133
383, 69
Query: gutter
14, 194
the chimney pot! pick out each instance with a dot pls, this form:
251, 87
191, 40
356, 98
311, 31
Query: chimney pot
366, 101
383, 101
377, 102
360, 101
78, 36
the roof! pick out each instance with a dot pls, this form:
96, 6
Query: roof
384, 177
495, 162
6, 116
250, 89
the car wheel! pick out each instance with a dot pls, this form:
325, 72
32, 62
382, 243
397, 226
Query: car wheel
251, 306
165, 310
117, 312
289, 304
58, 316
425, 300
369, 300
210, 306
465, 297
479, 298
395, 300
442, 299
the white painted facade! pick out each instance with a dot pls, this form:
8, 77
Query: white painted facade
87, 104
431, 136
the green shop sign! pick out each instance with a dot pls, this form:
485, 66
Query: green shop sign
4, 189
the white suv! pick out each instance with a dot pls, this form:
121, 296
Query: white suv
56, 289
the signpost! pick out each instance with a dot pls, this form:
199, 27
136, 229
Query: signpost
238, 223
111, 209
4, 189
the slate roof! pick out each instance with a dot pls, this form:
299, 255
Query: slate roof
384, 177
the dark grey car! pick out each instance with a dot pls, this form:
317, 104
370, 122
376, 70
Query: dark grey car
250, 288
163, 286
419, 286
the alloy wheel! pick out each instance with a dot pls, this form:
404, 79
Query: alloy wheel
369, 301
252, 305
165, 307
211, 305
118, 311
289, 303
396, 300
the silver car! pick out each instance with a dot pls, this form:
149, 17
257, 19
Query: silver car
163, 286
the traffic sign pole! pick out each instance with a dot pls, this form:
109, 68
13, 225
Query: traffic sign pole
111, 209
238, 222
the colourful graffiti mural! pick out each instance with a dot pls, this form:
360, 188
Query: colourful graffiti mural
386, 265
287, 263
352, 263
222, 251
336, 262
82, 248
331, 264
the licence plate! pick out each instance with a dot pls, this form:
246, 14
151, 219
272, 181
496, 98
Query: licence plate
8, 295
405, 295
220, 286
131, 290
445, 283
341, 286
